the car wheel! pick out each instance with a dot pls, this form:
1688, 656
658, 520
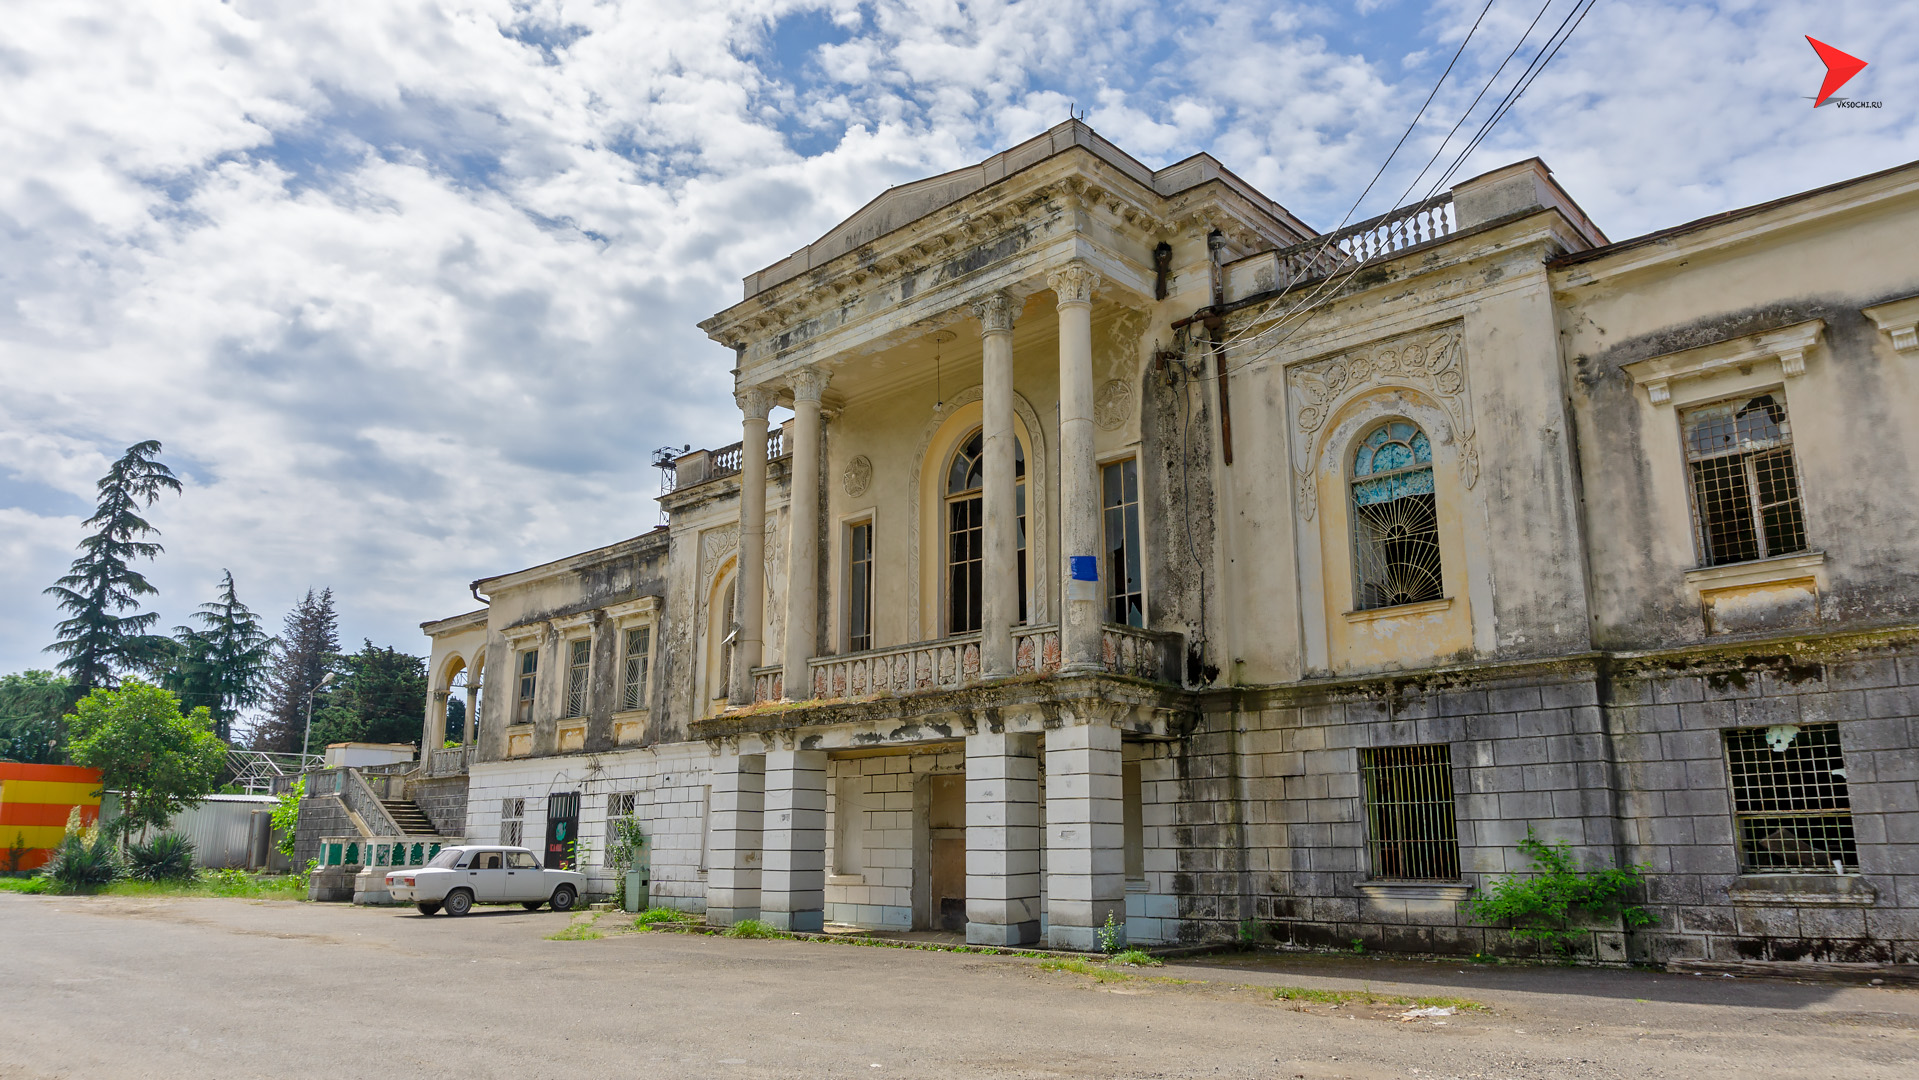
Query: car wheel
563, 898
532, 905
459, 902
428, 909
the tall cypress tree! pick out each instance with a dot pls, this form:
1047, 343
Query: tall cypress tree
102, 585
223, 662
308, 648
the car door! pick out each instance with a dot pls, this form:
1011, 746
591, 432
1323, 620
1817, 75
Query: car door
486, 876
524, 879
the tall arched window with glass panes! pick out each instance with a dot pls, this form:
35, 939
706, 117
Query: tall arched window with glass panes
1395, 518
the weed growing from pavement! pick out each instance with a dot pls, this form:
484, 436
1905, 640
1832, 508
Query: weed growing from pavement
1367, 997
1134, 958
664, 917
580, 929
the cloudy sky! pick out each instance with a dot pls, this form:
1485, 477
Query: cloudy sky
408, 288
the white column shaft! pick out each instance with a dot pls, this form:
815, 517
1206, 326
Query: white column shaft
750, 587
1079, 478
1000, 602
803, 538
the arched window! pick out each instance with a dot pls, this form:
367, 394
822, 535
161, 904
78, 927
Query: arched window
966, 532
722, 633
1395, 522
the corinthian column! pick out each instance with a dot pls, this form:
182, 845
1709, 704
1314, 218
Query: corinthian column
751, 590
1000, 603
1079, 621
803, 541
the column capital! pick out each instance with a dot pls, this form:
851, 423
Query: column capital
1073, 283
808, 383
995, 312
754, 401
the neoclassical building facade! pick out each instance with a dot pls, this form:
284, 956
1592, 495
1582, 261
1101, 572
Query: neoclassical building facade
1104, 546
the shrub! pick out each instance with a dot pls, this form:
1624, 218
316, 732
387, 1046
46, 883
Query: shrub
1549, 906
84, 860
286, 815
166, 857
1112, 936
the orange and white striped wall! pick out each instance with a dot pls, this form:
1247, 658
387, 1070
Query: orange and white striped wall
34, 803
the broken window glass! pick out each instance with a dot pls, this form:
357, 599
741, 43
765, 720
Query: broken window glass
1789, 799
1744, 485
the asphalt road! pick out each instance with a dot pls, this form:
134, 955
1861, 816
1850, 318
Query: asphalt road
113, 987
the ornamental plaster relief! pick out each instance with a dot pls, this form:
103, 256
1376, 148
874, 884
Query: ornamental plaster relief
1430, 360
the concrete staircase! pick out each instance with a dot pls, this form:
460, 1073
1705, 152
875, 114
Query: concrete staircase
409, 817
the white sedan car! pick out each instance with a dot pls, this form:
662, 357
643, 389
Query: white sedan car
460, 877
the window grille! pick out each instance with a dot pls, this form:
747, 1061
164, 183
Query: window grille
529, 676
859, 587
1125, 585
512, 813
1745, 489
1395, 518
1789, 800
580, 658
966, 536
639, 645
618, 806
1411, 832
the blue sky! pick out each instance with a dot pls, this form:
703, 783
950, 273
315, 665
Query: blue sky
408, 290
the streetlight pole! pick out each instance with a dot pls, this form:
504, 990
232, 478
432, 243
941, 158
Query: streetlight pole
306, 744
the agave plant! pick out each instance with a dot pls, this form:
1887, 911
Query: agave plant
84, 860
166, 857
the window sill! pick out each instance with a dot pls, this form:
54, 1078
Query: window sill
1446, 891
846, 879
1803, 890
1424, 607
1137, 885
1757, 572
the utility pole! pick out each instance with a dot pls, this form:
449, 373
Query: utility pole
306, 743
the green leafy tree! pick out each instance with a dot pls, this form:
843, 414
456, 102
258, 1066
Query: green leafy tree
99, 638
286, 816
222, 662
455, 720
160, 760
308, 648
380, 697
31, 704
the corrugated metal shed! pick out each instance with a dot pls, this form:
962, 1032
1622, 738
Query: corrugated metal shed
220, 827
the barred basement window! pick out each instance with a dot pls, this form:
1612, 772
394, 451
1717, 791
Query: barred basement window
1411, 833
639, 645
579, 660
1745, 489
512, 813
1395, 520
617, 806
1789, 801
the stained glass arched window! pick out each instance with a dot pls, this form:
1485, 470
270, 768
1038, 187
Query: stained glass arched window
1395, 521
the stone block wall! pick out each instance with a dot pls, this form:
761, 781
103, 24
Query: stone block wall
875, 888
443, 800
1624, 761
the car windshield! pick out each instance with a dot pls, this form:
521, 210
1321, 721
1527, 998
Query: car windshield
445, 859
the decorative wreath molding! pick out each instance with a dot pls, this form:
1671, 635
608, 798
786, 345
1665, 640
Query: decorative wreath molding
1113, 405
858, 476
1429, 360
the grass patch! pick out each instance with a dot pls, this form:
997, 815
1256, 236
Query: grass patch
752, 928
661, 916
225, 883
1367, 997
1134, 958
1096, 972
